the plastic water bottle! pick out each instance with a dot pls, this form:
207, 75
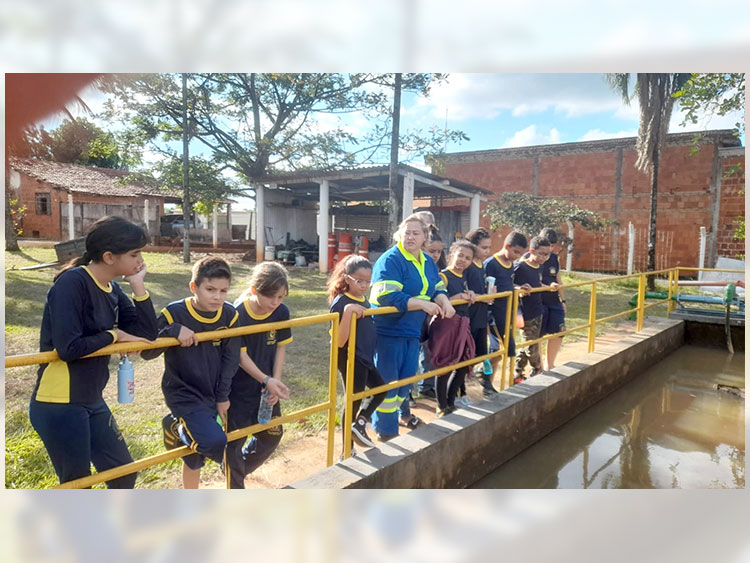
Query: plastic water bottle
490, 280
487, 367
265, 411
125, 381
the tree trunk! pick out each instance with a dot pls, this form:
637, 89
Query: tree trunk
394, 193
11, 241
651, 280
185, 176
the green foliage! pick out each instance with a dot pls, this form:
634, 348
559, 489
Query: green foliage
714, 93
76, 142
259, 123
17, 211
530, 214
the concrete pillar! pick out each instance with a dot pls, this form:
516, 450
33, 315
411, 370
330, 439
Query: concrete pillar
260, 239
145, 215
249, 227
229, 219
215, 226
702, 250
631, 247
71, 218
408, 203
569, 257
474, 213
323, 228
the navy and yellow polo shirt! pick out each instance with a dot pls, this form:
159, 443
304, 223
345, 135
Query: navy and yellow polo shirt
475, 281
366, 336
525, 272
503, 282
260, 346
202, 374
79, 317
455, 283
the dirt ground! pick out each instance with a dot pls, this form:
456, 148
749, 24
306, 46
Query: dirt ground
301, 457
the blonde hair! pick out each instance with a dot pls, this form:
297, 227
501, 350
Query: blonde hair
413, 218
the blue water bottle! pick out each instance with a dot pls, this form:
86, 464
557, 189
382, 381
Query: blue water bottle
125, 381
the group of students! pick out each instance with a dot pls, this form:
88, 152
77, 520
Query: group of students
208, 384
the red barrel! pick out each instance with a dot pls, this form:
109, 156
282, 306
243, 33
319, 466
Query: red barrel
345, 245
364, 247
331, 250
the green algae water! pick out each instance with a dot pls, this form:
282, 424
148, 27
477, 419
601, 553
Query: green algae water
669, 428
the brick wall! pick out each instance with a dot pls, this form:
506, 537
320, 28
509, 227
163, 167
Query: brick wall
52, 227
732, 206
601, 176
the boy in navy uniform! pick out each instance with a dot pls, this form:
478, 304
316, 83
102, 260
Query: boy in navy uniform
500, 266
198, 375
528, 271
553, 303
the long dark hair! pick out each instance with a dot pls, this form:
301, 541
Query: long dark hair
434, 236
336, 283
109, 234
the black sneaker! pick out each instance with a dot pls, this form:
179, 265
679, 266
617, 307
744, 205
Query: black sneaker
487, 388
359, 433
386, 437
171, 435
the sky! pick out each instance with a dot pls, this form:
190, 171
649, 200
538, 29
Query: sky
499, 110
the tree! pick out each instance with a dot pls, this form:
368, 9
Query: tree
76, 141
706, 93
655, 93
255, 124
530, 214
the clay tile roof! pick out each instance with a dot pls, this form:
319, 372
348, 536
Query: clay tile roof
84, 179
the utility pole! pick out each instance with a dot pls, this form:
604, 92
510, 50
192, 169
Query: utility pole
394, 194
185, 175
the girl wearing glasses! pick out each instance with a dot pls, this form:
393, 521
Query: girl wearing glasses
347, 286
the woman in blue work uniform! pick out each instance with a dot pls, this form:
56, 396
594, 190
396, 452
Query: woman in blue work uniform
403, 277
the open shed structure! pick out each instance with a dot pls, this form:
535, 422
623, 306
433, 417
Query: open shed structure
357, 186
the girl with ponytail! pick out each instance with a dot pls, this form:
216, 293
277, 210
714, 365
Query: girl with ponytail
86, 310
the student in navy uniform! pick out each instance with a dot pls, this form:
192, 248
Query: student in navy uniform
479, 311
347, 287
528, 271
198, 375
461, 255
500, 266
261, 362
86, 310
553, 303
433, 248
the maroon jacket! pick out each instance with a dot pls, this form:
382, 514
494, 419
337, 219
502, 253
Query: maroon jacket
450, 341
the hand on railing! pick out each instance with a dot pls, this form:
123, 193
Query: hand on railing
123, 336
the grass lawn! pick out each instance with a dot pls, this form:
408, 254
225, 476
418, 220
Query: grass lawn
305, 371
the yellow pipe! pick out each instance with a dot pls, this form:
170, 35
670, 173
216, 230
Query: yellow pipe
332, 378
510, 326
592, 318
641, 299
349, 388
122, 347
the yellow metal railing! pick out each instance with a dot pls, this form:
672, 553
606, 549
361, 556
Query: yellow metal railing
122, 347
350, 396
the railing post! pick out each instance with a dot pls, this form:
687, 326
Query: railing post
641, 301
510, 322
332, 377
592, 318
674, 288
346, 429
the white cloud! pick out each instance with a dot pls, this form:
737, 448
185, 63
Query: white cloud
530, 136
598, 134
485, 96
